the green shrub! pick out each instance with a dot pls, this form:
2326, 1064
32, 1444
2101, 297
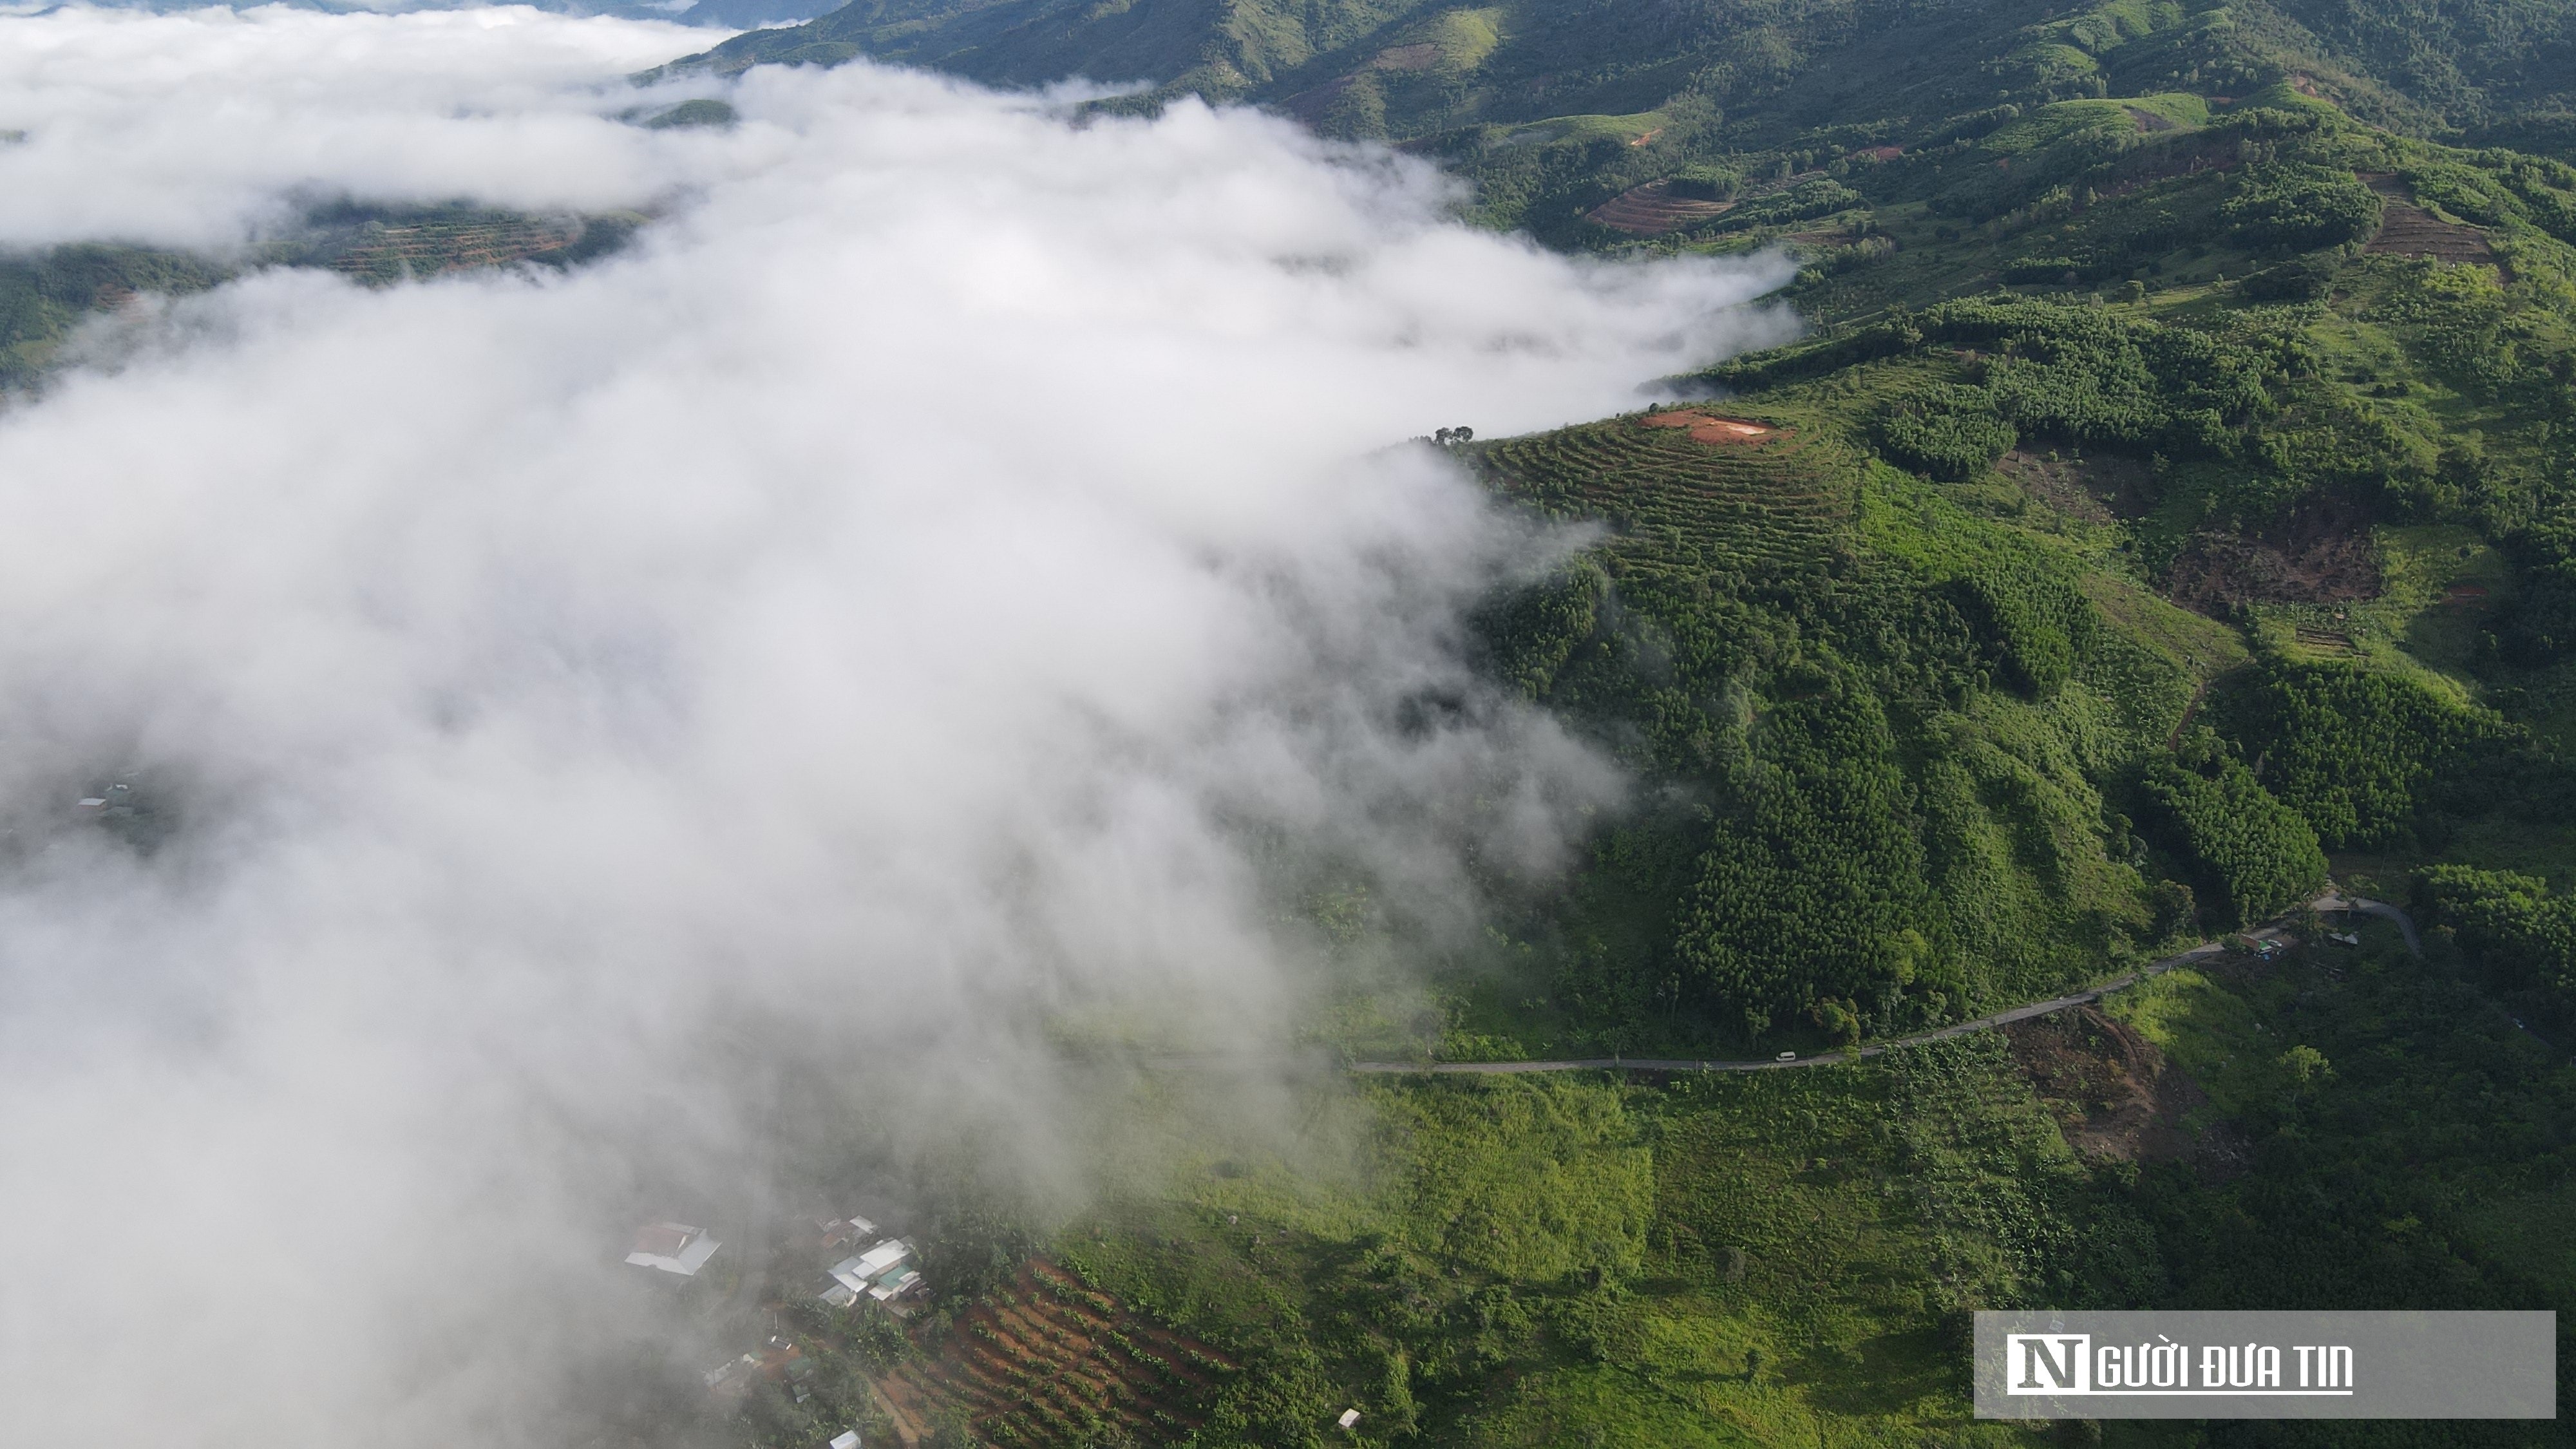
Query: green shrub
2302, 279
2038, 624
1702, 183
1525, 637
1949, 433
2354, 750
1814, 882
2176, 913
2301, 207
2520, 936
1806, 200
2253, 855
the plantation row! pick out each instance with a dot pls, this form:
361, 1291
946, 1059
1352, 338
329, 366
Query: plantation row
439, 247
1753, 510
1048, 1361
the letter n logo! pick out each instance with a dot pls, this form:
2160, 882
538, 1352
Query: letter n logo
2048, 1363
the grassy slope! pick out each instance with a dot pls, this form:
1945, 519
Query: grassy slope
1785, 1258
1576, 1261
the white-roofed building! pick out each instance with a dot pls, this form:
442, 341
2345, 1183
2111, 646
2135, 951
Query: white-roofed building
881, 1257
843, 1232
880, 1273
672, 1248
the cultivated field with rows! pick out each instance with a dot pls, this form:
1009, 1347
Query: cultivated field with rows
1047, 1360
1748, 510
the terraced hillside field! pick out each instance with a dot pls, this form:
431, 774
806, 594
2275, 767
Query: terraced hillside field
1049, 1361
388, 253
1653, 209
2408, 230
1687, 495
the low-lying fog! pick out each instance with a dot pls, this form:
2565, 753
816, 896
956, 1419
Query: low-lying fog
881, 607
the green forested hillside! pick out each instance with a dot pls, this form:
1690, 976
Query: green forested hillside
2172, 505
1555, 108
46, 294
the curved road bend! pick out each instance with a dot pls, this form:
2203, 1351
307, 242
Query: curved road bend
2323, 904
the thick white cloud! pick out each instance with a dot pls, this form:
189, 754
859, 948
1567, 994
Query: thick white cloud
191, 129
870, 615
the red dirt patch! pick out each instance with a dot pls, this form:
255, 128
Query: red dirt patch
1710, 428
1651, 210
2113, 1092
1422, 55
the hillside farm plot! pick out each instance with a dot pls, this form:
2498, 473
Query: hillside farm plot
1688, 491
1653, 209
1710, 428
1049, 1361
2408, 230
387, 253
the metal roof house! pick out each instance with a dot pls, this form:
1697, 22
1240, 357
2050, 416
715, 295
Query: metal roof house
840, 1232
881, 1272
672, 1248
894, 1282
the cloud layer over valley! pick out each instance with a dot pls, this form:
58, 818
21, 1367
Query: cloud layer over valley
868, 615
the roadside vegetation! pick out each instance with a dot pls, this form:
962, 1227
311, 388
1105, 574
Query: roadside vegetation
1791, 1257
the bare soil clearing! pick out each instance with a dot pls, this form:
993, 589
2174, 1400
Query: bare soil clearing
2407, 230
1711, 428
2323, 557
2114, 1094
2096, 489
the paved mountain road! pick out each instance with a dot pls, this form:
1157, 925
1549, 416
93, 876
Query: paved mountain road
2325, 903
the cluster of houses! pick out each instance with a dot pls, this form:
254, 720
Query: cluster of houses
881, 1269
865, 1263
